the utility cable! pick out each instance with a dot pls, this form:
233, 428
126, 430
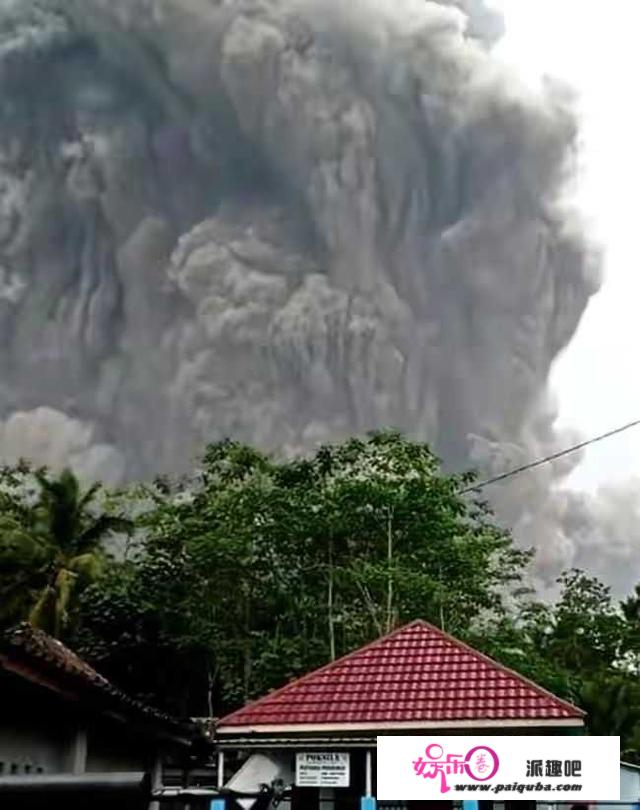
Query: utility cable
532, 465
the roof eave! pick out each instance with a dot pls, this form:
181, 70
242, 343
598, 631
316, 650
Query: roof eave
413, 725
44, 675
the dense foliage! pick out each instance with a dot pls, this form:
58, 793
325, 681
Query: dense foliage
51, 545
228, 583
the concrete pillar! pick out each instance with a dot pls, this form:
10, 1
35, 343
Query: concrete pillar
156, 780
368, 774
326, 799
79, 752
220, 769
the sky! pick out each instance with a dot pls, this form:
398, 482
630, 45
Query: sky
594, 46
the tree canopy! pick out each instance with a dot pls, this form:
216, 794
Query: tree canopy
51, 544
254, 570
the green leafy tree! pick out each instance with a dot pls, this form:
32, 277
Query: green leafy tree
589, 629
582, 647
291, 563
51, 545
409, 545
254, 570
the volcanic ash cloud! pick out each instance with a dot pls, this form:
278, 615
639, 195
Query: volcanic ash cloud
285, 222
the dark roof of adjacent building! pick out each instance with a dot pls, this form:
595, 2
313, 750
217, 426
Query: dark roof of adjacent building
38, 657
416, 676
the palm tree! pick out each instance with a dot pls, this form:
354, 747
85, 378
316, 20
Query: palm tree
50, 549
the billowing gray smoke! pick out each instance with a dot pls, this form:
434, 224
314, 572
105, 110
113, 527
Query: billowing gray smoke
285, 221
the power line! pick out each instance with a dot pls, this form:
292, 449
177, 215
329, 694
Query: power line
547, 459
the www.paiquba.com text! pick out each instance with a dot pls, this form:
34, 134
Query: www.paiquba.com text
516, 787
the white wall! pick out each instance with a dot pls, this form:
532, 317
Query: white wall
35, 747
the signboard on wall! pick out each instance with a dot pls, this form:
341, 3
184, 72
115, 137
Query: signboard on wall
322, 770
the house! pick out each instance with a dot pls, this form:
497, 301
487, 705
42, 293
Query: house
417, 679
66, 730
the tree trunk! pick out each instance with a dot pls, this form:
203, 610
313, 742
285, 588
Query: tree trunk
389, 571
247, 645
442, 627
210, 685
332, 631
373, 606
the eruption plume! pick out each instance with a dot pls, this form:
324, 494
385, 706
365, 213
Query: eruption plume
285, 221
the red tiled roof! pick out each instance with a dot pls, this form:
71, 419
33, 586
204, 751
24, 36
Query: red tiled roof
418, 673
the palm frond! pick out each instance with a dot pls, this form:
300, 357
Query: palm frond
59, 502
88, 496
100, 528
